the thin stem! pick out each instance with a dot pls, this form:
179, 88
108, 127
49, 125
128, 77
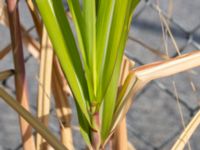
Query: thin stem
6, 74
187, 133
35, 16
44, 131
120, 139
5, 51
95, 134
169, 67
20, 81
63, 108
140, 76
44, 91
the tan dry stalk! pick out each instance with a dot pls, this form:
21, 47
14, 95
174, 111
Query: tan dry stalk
5, 74
169, 67
130, 146
140, 76
3, 13
20, 81
4, 21
5, 51
137, 85
63, 108
30, 43
44, 131
168, 30
180, 110
120, 139
187, 133
44, 90
36, 19
32, 46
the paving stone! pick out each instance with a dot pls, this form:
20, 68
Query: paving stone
155, 116
187, 17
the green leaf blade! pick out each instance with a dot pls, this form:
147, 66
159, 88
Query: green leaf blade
84, 22
60, 33
113, 43
77, 16
111, 92
89, 15
104, 20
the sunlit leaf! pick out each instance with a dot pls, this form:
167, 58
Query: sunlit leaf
53, 15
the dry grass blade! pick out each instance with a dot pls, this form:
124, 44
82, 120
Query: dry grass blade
35, 16
33, 121
187, 133
32, 45
63, 109
168, 30
168, 67
120, 140
134, 86
20, 81
43, 106
4, 21
29, 42
5, 51
180, 110
5, 74
140, 76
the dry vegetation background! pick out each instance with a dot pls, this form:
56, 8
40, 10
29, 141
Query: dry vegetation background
163, 108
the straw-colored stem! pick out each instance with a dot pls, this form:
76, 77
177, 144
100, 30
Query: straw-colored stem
187, 133
5, 74
20, 81
3, 13
63, 109
169, 67
5, 51
140, 76
44, 90
34, 122
166, 68
95, 134
120, 141
27, 37
31, 44
35, 16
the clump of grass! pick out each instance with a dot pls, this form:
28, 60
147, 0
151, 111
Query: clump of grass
100, 80
92, 65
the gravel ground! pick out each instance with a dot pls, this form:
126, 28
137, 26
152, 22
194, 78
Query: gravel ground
153, 121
